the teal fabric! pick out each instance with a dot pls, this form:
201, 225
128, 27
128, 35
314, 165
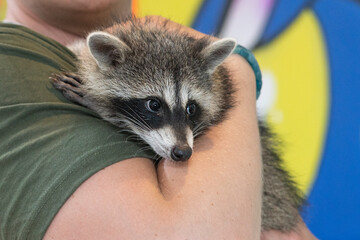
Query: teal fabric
250, 58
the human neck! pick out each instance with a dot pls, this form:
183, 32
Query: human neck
19, 15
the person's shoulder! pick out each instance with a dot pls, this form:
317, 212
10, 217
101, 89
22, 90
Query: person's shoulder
48, 146
18, 40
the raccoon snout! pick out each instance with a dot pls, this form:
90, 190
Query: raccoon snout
181, 153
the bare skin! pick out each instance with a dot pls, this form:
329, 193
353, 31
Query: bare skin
133, 200
66, 21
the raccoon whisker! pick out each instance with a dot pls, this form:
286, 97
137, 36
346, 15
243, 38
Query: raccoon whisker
198, 129
197, 126
139, 117
118, 121
201, 128
121, 128
135, 138
157, 159
136, 121
111, 135
133, 120
198, 134
146, 148
128, 138
131, 134
160, 146
127, 130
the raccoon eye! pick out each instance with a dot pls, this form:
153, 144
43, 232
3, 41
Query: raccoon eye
153, 105
191, 109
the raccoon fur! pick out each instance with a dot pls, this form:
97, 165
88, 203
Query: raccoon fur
168, 88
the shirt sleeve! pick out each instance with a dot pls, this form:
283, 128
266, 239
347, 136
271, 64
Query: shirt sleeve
48, 146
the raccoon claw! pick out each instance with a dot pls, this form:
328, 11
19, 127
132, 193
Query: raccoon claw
74, 79
68, 78
70, 86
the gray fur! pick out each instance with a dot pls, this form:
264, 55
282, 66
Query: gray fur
132, 61
282, 200
105, 48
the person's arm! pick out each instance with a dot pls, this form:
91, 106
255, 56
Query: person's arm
215, 195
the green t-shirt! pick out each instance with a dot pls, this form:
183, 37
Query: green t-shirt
48, 146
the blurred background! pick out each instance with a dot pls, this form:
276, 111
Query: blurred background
309, 53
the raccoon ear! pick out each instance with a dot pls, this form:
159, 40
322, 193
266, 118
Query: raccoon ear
217, 52
106, 49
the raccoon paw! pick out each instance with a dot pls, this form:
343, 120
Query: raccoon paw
70, 86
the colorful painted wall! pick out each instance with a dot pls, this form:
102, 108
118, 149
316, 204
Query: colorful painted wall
2, 9
309, 53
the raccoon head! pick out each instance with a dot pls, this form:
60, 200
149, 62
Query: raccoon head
161, 86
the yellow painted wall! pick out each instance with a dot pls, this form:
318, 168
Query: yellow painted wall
2, 9
297, 60
176, 10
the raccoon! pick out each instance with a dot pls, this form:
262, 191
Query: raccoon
168, 88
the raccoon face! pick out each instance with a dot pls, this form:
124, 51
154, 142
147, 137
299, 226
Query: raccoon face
165, 98
169, 131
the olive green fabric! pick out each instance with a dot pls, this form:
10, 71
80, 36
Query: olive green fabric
48, 146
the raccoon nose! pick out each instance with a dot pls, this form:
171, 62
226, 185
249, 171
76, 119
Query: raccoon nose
181, 153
